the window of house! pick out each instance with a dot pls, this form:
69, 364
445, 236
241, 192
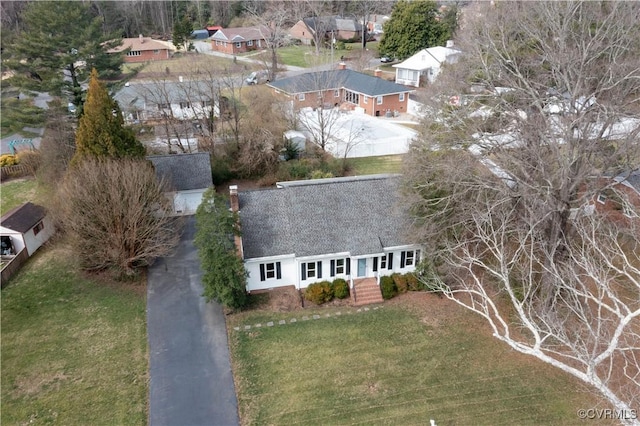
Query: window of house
184, 105
311, 270
379, 100
336, 93
39, 227
602, 198
269, 271
383, 262
409, 258
134, 53
401, 97
250, 43
366, 99
340, 267
225, 44
238, 44
217, 42
163, 106
156, 52
351, 97
301, 96
206, 103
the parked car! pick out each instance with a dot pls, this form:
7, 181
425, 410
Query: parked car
257, 77
386, 59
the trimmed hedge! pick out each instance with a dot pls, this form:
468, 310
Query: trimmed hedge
400, 282
388, 287
340, 288
319, 293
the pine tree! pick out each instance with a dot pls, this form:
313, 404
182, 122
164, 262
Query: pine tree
101, 131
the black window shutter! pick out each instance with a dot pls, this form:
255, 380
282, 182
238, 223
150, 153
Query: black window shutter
333, 268
390, 261
262, 276
348, 266
417, 257
278, 271
304, 271
319, 269
375, 264
402, 255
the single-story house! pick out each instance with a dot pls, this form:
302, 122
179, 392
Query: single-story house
239, 40
342, 29
308, 231
188, 176
426, 64
371, 95
375, 24
143, 49
27, 226
183, 100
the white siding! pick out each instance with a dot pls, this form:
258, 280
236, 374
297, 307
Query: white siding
16, 238
288, 273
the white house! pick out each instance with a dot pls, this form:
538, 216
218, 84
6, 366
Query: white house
27, 227
308, 231
426, 63
188, 177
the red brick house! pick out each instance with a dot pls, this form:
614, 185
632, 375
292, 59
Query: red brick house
143, 49
343, 29
239, 40
620, 200
346, 89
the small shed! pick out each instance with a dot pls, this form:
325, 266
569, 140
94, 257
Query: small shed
188, 177
27, 227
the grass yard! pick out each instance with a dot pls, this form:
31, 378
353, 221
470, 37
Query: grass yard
398, 365
18, 191
74, 351
190, 64
374, 165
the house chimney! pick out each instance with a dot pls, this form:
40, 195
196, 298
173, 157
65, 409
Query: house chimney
235, 207
449, 43
377, 72
342, 66
141, 38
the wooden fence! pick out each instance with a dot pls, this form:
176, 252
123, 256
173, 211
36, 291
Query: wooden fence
12, 266
18, 170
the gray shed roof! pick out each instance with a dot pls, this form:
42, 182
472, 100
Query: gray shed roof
23, 218
356, 215
184, 171
337, 79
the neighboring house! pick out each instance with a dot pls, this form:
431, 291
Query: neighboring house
188, 176
182, 100
346, 88
425, 64
308, 231
239, 40
342, 29
143, 49
621, 200
376, 23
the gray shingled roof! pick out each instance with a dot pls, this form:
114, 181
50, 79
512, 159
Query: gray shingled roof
332, 23
631, 179
356, 215
148, 94
23, 218
337, 79
184, 171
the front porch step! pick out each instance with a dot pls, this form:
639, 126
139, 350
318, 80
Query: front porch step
367, 292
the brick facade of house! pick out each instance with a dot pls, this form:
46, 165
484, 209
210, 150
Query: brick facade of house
340, 97
234, 48
147, 55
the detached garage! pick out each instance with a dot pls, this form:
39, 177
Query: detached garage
187, 177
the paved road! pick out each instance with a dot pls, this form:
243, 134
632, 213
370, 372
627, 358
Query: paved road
191, 381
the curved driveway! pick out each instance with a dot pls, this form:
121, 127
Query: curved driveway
191, 381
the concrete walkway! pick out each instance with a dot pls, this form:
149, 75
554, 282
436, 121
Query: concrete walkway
190, 370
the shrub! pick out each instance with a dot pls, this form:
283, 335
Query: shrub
413, 283
30, 159
319, 174
8, 160
220, 170
401, 282
319, 293
340, 288
388, 287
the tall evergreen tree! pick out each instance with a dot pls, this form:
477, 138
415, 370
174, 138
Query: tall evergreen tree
101, 131
61, 41
413, 26
182, 29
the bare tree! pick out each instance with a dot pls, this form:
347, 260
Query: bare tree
271, 18
116, 215
542, 107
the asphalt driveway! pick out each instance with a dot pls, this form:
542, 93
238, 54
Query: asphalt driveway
191, 381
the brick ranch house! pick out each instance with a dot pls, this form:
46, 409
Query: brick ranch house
143, 49
343, 29
307, 231
620, 200
239, 40
347, 89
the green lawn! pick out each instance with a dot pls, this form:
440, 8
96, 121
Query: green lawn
15, 192
74, 351
391, 366
374, 165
